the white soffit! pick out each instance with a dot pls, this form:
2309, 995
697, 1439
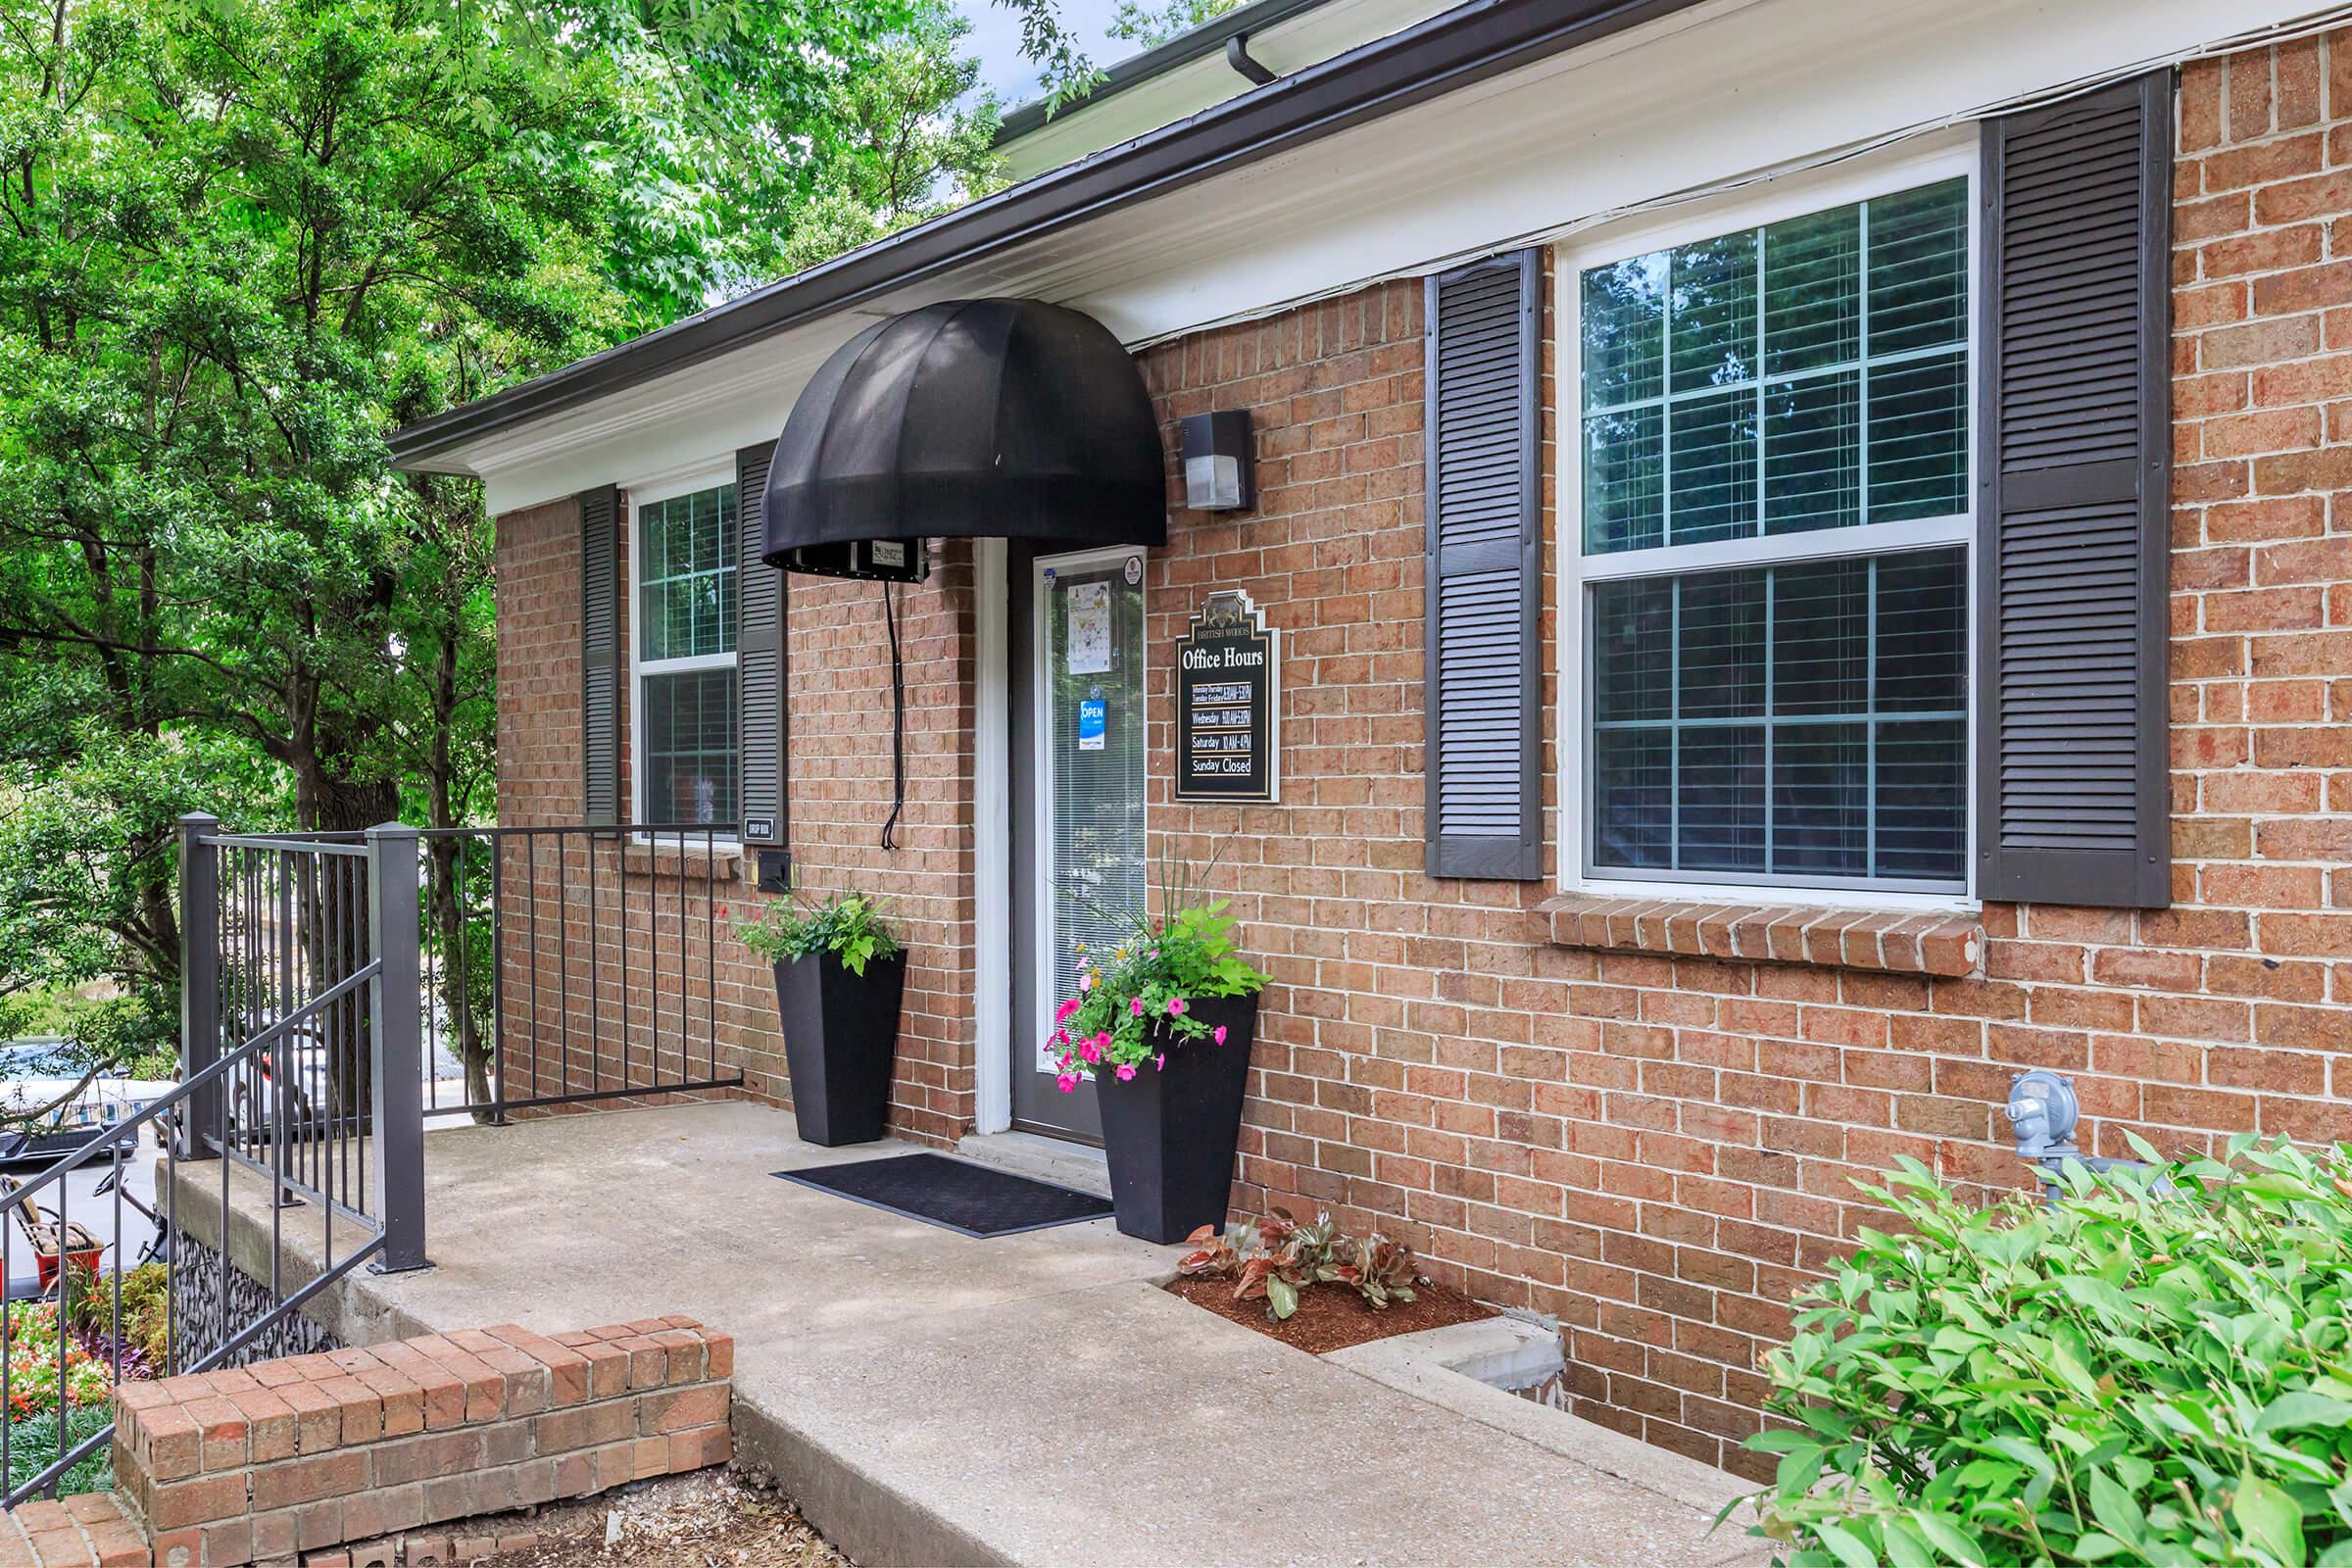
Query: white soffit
1707, 96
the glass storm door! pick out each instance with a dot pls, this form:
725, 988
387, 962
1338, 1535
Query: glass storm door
1083, 809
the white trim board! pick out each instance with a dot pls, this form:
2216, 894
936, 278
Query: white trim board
1716, 94
992, 834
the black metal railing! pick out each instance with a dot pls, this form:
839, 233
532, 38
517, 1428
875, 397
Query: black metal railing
337, 989
298, 1066
571, 965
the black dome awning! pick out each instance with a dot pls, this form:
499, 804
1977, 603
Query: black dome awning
992, 417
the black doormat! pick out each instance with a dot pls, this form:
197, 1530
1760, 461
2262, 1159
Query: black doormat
954, 1193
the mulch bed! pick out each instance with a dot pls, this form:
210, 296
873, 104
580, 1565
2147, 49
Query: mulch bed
1332, 1317
707, 1519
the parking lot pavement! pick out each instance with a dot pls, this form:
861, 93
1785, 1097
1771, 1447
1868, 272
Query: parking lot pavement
97, 1213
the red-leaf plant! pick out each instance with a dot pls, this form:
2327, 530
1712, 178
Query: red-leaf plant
1274, 1259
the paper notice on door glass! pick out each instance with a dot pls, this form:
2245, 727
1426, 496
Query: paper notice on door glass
1090, 628
1094, 715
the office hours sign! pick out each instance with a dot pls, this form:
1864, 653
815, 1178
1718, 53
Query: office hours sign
1229, 704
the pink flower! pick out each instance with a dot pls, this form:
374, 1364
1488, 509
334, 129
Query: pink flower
1217, 1034
1135, 1006
1090, 1051
1126, 1070
1061, 1014
1103, 1040
1175, 1006
1159, 1064
1067, 1084
1061, 1037
1086, 982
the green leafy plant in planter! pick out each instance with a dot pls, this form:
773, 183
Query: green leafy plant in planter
1275, 1259
849, 926
2151, 1367
841, 974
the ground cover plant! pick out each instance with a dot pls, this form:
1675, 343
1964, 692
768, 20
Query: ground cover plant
1274, 1259
2150, 1367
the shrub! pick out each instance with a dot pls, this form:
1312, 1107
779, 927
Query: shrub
146, 1316
2151, 1367
848, 925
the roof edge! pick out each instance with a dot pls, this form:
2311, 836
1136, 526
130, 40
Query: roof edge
1447, 51
1182, 50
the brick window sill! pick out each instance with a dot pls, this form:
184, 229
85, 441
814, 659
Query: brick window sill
1892, 940
720, 863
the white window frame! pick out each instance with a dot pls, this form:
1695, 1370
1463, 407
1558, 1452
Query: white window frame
654, 493
1924, 161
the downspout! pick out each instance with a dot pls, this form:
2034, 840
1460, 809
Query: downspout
1237, 55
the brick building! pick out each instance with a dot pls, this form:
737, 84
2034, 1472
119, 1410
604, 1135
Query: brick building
1824, 396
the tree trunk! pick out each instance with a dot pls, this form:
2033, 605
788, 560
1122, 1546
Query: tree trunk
339, 939
466, 958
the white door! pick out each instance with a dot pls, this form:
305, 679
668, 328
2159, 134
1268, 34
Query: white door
1082, 809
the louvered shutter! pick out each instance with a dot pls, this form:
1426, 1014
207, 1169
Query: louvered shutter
1485, 571
760, 659
600, 656
2074, 468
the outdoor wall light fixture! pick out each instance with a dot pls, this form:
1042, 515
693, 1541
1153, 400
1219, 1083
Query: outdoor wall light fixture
1220, 462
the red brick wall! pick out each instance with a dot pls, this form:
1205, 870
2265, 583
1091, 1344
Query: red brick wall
560, 949
841, 796
1659, 1147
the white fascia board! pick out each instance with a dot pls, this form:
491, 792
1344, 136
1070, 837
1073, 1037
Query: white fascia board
1711, 95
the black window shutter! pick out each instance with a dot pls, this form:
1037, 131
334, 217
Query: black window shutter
600, 656
760, 660
2073, 475
1484, 682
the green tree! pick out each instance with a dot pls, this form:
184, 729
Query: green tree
241, 239
1153, 26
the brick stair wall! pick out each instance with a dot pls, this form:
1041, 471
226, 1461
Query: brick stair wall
294, 1460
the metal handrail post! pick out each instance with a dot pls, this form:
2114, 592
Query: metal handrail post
199, 978
398, 1078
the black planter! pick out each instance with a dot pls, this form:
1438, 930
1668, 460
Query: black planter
1169, 1135
841, 1031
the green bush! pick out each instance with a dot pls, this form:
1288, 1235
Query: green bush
2152, 1368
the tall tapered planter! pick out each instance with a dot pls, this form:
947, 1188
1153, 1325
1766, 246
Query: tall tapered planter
1169, 1135
841, 1036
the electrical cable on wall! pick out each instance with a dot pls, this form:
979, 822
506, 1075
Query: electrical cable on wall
897, 720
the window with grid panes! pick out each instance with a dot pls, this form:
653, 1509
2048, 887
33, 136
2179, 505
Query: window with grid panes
686, 615
1773, 442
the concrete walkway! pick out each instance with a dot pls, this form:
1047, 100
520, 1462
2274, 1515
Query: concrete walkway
1036, 1398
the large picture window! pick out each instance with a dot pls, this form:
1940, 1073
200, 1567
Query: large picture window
686, 619
1773, 442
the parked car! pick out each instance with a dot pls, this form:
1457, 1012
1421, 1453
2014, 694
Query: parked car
44, 1072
